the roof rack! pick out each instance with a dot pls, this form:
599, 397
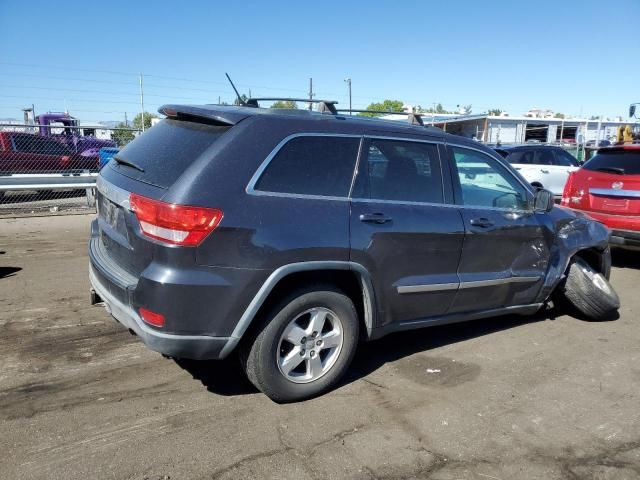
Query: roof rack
324, 106
414, 118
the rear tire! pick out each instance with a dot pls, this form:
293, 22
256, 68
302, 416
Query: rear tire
589, 291
303, 346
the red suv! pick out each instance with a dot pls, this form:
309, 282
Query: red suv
607, 187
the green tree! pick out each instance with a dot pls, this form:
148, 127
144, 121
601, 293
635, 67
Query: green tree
386, 106
137, 120
243, 98
437, 108
559, 115
494, 112
123, 136
285, 104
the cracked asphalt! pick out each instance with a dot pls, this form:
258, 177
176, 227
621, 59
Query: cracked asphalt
544, 397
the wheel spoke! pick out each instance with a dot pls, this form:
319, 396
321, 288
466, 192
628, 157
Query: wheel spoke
313, 350
331, 339
314, 366
291, 360
316, 323
294, 334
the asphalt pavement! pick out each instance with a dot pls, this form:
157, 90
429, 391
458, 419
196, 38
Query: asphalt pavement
542, 397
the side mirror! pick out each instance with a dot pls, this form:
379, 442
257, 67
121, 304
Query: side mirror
543, 201
632, 111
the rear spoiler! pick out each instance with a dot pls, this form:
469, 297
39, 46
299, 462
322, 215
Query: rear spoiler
215, 115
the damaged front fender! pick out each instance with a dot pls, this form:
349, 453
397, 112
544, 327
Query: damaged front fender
574, 232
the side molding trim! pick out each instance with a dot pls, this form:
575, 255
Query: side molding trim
439, 287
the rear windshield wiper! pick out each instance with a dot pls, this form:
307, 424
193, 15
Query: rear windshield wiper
619, 171
122, 161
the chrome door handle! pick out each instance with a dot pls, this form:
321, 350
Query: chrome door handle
378, 218
481, 222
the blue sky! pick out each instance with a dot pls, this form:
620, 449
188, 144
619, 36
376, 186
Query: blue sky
570, 56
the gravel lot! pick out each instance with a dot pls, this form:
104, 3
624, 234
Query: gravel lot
508, 398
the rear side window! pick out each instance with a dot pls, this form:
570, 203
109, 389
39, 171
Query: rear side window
565, 159
312, 165
531, 157
166, 150
624, 162
403, 171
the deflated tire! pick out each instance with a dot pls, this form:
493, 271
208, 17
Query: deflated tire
589, 291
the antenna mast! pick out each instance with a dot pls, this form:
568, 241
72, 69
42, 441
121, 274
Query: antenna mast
240, 101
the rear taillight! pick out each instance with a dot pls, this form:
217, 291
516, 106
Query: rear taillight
566, 193
573, 194
152, 318
175, 224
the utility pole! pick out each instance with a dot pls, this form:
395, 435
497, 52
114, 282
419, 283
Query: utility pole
310, 93
348, 80
126, 122
142, 102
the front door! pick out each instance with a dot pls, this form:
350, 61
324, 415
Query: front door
405, 229
504, 255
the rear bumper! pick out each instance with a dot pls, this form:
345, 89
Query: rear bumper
625, 238
625, 230
180, 346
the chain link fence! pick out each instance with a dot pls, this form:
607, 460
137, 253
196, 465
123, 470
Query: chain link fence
51, 167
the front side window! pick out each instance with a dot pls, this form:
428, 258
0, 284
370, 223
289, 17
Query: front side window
486, 183
403, 171
312, 165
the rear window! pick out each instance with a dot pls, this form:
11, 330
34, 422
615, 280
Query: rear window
625, 162
312, 165
166, 150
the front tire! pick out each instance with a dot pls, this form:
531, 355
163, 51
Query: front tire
303, 346
589, 291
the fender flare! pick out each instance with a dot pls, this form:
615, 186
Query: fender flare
280, 273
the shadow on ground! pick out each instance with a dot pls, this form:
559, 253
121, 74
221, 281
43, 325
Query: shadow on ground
226, 377
222, 377
8, 271
625, 258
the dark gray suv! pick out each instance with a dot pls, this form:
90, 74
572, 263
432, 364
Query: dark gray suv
289, 236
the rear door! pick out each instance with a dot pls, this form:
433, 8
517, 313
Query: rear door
32, 153
404, 229
504, 256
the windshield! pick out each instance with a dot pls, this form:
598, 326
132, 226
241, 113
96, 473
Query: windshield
624, 162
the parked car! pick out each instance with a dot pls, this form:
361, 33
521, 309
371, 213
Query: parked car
607, 187
28, 153
290, 236
543, 166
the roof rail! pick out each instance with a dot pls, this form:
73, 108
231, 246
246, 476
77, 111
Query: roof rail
413, 118
324, 106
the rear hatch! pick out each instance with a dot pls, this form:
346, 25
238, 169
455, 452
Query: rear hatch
148, 166
612, 181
